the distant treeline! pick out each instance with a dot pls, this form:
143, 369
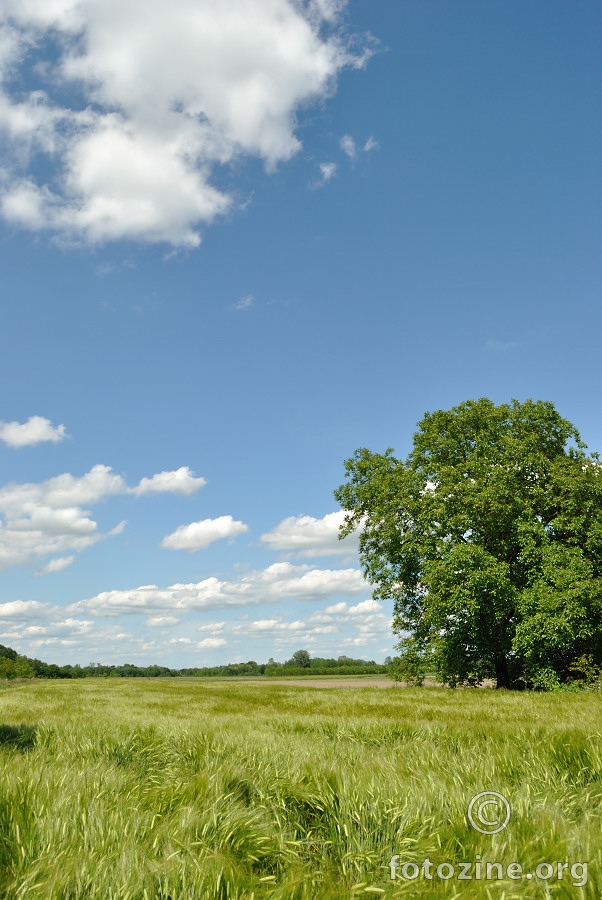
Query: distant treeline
13, 665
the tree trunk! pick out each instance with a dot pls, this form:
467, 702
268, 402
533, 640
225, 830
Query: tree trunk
501, 672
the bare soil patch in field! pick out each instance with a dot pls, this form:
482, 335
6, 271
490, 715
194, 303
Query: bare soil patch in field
327, 682
350, 682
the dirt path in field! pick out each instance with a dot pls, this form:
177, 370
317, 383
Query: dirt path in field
350, 682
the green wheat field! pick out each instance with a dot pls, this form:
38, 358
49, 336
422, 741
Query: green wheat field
175, 789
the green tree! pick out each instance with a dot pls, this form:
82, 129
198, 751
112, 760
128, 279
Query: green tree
301, 658
7, 652
14, 668
488, 537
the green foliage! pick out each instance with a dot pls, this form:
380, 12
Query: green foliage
147, 789
411, 665
301, 658
18, 667
489, 539
355, 669
586, 674
14, 666
301, 663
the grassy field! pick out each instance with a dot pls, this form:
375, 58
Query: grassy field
175, 789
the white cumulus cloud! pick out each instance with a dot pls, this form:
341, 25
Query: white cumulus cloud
23, 610
211, 643
162, 621
144, 98
36, 430
50, 518
182, 481
199, 535
213, 627
305, 536
365, 606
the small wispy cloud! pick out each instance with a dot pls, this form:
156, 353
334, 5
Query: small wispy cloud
350, 147
56, 565
245, 302
347, 145
104, 269
107, 268
162, 621
500, 346
327, 172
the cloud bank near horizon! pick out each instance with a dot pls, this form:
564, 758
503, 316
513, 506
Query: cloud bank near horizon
95, 625
278, 582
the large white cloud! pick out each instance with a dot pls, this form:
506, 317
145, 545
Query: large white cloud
281, 581
49, 517
304, 536
199, 535
160, 93
36, 430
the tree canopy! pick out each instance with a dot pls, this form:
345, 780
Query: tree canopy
488, 537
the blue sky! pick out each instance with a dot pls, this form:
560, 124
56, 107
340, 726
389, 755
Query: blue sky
241, 239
